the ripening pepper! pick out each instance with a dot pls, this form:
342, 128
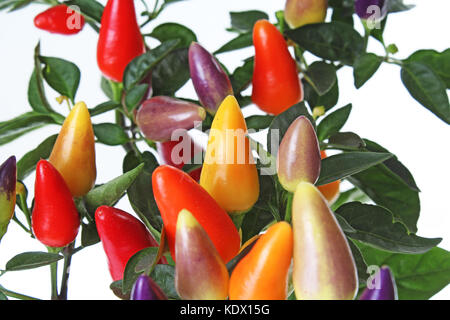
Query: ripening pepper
298, 156
384, 287
276, 85
55, 220
175, 190
122, 235
120, 39
229, 172
73, 154
200, 273
146, 289
209, 79
324, 267
7, 193
173, 154
160, 116
263, 273
371, 9
297, 13
330, 190
60, 19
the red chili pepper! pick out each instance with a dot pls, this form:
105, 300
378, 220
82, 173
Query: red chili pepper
60, 19
174, 190
55, 219
120, 39
276, 85
122, 235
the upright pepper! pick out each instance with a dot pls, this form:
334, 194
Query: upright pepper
276, 85
60, 19
298, 156
200, 273
330, 190
55, 219
146, 289
210, 81
297, 13
229, 172
262, 274
122, 235
120, 39
73, 154
175, 190
7, 193
323, 263
384, 287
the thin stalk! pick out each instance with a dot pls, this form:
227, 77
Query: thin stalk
68, 253
22, 225
54, 280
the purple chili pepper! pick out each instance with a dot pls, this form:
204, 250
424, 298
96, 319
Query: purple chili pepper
146, 289
7, 193
387, 290
210, 81
374, 9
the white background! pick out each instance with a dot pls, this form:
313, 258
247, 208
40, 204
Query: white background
382, 111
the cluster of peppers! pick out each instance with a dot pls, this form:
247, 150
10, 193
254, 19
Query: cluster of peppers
200, 209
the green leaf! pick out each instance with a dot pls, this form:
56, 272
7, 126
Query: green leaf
110, 133
343, 14
106, 88
398, 6
345, 164
418, 276
376, 226
438, 62
322, 75
89, 8
244, 21
282, 122
242, 76
31, 260
134, 97
104, 107
36, 97
328, 100
28, 162
140, 67
140, 193
171, 31
14, 4
62, 75
335, 41
164, 276
3, 296
109, 193
89, 234
377, 33
20, 125
332, 123
427, 88
361, 265
365, 67
116, 288
346, 141
241, 41
171, 73
139, 263
259, 122
353, 194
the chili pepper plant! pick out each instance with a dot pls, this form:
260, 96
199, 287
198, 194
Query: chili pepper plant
309, 211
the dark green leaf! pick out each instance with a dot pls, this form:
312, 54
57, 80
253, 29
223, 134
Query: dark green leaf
322, 75
104, 107
398, 6
345, 164
346, 141
140, 67
62, 75
328, 100
332, 123
89, 234
89, 8
427, 88
418, 276
244, 21
139, 263
242, 76
335, 41
438, 62
110, 133
31, 260
375, 225
361, 265
28, 162
233, 262
140, 193
241, 41
14, 4
258, 122
171, 31
365, 67
353, 194
36, 98
164, 276
134, 97
106, 88
20, 125
171, 73
343, 14
109, 193
116, 288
